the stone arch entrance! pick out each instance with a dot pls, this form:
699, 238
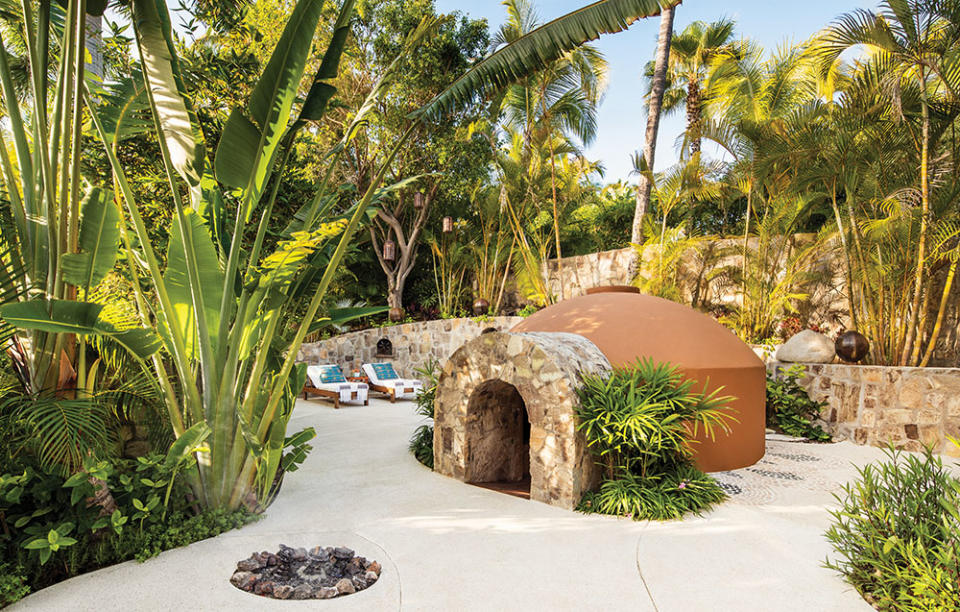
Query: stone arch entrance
499, 427
483, 392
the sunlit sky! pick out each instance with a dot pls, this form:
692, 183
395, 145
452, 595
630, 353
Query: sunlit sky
622, 119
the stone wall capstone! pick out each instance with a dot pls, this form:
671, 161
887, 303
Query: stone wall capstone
880, 405
413, 343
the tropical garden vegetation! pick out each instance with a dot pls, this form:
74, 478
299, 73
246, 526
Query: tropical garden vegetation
163, 259
190, 195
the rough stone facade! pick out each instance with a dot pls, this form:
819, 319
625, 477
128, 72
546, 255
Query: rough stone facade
909, 407
472, 426
584, 272
413, 343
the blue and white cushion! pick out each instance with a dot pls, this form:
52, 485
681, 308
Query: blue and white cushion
403, 388
337, 382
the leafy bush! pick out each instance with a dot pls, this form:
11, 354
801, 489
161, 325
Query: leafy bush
421, 444
638, 423
663, 497
790, 409
53, 527
13, 585
896, 534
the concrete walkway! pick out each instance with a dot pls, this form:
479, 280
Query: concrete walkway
446, 546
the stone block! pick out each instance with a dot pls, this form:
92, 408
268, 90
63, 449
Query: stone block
913, 390
893, 416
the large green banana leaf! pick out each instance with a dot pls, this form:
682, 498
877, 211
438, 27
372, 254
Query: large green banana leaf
175, 115
250, 138
178, 284
99, 241
81, 318
315, 105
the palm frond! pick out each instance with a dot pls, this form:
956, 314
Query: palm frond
538, 48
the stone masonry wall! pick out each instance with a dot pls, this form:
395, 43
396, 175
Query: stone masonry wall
545, 369
909, 407
413, 343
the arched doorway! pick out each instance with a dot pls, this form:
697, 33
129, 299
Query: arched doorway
506, 406
499, 433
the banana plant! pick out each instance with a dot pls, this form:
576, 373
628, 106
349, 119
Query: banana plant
222, 306
59, 235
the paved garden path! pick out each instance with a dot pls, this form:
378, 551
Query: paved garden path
449, 546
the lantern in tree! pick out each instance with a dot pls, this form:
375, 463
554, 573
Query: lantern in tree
390, 251
448, 225
418, 200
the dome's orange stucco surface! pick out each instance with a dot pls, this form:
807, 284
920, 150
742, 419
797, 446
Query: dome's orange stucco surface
627, 326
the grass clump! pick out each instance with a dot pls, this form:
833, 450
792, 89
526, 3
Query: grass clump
639, 423
897, 534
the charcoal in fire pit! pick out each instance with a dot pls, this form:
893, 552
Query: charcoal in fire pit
295, 573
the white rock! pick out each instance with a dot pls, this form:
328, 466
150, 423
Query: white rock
807, 347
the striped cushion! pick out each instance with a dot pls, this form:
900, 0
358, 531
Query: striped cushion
331, 374
384, 371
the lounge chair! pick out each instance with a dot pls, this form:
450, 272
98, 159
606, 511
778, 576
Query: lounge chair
384, 379
329, 382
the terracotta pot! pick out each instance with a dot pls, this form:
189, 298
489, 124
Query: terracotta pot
396, 315
852, 346
481, 307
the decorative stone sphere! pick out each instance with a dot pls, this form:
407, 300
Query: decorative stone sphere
481, 307
852, 346
396, 315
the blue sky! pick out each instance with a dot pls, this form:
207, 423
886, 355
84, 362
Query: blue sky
622, 119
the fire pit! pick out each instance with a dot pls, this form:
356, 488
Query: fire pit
296, 573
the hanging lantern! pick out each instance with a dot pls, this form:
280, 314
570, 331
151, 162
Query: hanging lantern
418, 200
448, 225
390, 251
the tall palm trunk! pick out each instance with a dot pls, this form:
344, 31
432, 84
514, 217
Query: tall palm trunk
653, 126
694, 115
912, 336
556, 219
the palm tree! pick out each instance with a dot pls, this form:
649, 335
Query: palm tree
658, 86
916, 39
558, 103
691, 53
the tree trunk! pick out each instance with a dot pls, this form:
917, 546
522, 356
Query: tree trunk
653, 126
912, 335
694, 114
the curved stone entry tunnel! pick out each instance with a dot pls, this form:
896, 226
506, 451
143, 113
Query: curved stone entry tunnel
497, 385
499, 430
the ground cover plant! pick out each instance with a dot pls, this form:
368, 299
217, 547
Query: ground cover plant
53, 526
896, 534
789, 407
638, 423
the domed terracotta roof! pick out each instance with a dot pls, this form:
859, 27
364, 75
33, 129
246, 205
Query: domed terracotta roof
626, 326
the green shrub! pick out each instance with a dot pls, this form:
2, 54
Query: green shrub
790, 409
639, 423
13, 585
661, 498
896, 534
421, 444
53, 527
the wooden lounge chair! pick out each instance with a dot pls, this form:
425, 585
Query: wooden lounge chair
327, 381
384, 379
